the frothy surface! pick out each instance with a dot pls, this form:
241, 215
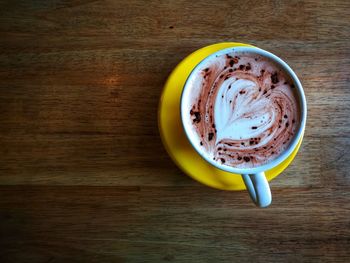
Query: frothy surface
243, 109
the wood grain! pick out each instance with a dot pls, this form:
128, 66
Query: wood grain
83, 174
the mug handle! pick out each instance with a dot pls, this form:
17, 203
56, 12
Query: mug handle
258, 188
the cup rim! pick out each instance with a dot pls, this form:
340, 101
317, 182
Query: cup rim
301, 100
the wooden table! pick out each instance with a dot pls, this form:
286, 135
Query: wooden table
83, 174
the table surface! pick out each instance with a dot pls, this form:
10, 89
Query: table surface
83, 174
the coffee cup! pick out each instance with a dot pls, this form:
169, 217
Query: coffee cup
243, 110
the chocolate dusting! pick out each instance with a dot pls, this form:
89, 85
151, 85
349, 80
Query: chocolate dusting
246, 158
274, 78
197, 116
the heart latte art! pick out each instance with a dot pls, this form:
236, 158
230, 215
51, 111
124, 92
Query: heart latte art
242, 109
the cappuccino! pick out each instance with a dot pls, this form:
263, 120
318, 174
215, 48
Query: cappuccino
242, 109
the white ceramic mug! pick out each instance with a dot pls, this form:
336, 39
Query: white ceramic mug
254, 178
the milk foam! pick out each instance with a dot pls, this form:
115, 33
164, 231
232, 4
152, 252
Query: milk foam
242, 110
229, 111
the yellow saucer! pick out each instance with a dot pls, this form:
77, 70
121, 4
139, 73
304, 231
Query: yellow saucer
175, 140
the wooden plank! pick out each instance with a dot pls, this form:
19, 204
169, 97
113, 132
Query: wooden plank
127, 223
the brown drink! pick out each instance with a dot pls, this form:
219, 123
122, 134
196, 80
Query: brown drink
242, 109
